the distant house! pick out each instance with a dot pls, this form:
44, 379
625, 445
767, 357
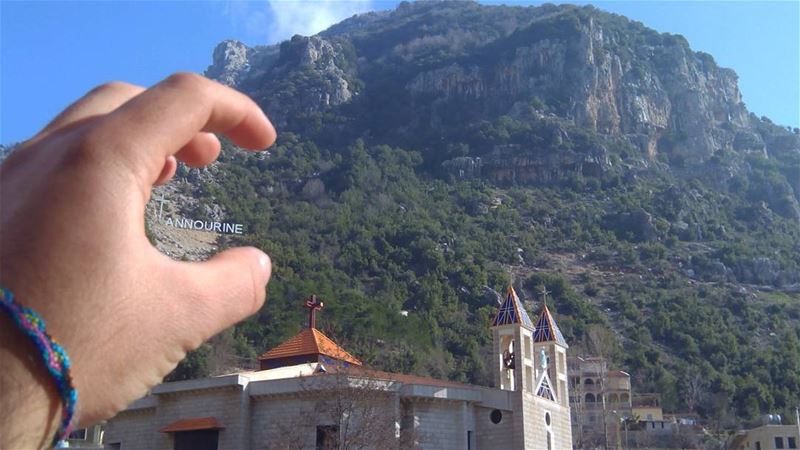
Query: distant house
771, 435
600, 399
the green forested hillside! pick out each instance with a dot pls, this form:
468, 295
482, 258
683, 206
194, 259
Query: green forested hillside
427, 184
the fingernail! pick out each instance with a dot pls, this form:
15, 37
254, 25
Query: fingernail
265, 263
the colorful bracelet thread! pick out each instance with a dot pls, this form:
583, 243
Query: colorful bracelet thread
55, 358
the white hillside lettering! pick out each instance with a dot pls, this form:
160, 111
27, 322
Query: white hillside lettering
201, 225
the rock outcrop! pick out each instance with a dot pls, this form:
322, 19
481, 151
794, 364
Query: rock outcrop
230, 62
302, 75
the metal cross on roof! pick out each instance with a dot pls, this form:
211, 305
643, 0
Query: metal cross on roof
544, 293
313, 304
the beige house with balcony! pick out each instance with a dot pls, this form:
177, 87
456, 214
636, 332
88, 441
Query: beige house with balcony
600, 399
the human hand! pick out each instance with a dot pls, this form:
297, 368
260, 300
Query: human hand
73, 248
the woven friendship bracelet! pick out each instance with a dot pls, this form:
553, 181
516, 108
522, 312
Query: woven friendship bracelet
53, 355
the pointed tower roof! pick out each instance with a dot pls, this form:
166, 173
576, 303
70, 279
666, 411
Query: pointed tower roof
309, 342
546, 329
511, 311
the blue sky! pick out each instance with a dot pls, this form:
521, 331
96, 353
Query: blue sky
53, 52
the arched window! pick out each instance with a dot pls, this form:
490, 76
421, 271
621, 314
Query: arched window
624, 398
590, 398
549, 441
507, 362
588, 381
509, 358
613, 398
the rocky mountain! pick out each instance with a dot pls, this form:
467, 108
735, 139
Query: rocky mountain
597, 71
431, 154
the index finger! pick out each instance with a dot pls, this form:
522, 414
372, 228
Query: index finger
166, 117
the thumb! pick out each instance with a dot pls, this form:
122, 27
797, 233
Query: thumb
231, 287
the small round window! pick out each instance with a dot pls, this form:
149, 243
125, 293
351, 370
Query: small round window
547, 418
496, 416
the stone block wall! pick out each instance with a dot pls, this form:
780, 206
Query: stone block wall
536, 428
282, 422
228, 405
440, 424
134, 429
289, 421
491, 436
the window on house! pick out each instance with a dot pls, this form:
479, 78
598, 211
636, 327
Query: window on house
196, 440
778, 442
327, 437
114, 446
792, 442
758, 445
549, 441
469, 440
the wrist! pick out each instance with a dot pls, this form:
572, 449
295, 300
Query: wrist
30, 407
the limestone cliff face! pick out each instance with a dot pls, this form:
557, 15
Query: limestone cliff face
322, 60
230, 62
645, 92
503, 169
301, 75
603, 92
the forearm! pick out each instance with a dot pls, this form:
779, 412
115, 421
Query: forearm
30, 408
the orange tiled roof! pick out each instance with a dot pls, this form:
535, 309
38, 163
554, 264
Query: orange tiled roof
200, 423
310, 341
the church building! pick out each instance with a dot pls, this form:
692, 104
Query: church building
312, 394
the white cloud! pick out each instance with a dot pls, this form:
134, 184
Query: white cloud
273, 21
311, 17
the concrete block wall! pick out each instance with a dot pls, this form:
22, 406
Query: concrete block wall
490, 436
441, 424
228, 405
291, 422
132, 429
282, 422
536, 428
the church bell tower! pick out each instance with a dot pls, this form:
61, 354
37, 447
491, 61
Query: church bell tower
512, 334
529, 358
